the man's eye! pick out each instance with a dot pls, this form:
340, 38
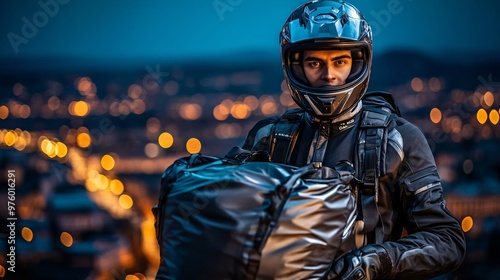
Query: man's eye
314, 64
341, 62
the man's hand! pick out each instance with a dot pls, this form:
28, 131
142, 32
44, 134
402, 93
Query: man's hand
366, 263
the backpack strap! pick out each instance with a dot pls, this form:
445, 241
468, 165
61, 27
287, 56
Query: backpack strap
373, 131
284, 135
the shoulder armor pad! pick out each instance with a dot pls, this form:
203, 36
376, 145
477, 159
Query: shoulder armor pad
375, 118
293, 114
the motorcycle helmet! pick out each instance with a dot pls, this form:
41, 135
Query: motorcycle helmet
326, 25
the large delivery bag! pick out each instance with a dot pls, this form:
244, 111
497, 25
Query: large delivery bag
220, 218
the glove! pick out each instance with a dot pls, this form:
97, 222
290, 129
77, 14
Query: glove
366, 263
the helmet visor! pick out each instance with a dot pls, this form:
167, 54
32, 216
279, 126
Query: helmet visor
326, 68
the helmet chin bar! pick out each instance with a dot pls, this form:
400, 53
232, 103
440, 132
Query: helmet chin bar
328, 106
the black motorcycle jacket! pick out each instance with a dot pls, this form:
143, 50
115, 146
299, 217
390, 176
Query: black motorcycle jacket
410, 195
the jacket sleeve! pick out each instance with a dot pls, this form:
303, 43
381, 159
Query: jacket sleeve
435, 243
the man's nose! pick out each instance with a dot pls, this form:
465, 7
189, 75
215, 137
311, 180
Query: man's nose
329, 73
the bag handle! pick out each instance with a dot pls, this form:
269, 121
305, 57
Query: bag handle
198, 159
285, 189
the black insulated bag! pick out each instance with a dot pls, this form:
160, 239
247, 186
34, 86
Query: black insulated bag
219, 218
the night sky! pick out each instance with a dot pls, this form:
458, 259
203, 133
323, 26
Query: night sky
182, 30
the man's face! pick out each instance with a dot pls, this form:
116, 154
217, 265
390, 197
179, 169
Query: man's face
327, 67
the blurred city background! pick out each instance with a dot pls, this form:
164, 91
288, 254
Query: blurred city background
97, 99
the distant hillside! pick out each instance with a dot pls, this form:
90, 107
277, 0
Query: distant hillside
464, 70
390, 68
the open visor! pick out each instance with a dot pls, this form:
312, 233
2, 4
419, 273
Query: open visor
314, 92
297, 60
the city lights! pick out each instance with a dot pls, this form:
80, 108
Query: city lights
268, 106
54, 103
4, 112
240, 110
190, 111
227, 131
489, 99
435, 84
10, 138
135, 91
116, 187
102, 182
66, 239
467, 224
482, 116
52, 148
18, 89
153, 125
62, 149
90, 185
165, 140
252, 102
107, 162
468, 166
83, 140
85, 86
138, 106
24, 111
494, 117
220, 112
435, 115
125, 201
193, 146
171, 88
27, 234
287, 100
132, 277
417, 84
78, 108
20, 144
151, 150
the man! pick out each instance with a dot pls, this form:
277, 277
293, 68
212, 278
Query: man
327, 67
326, 49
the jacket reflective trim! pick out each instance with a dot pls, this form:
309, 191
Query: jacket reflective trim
396, 141
426, 187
